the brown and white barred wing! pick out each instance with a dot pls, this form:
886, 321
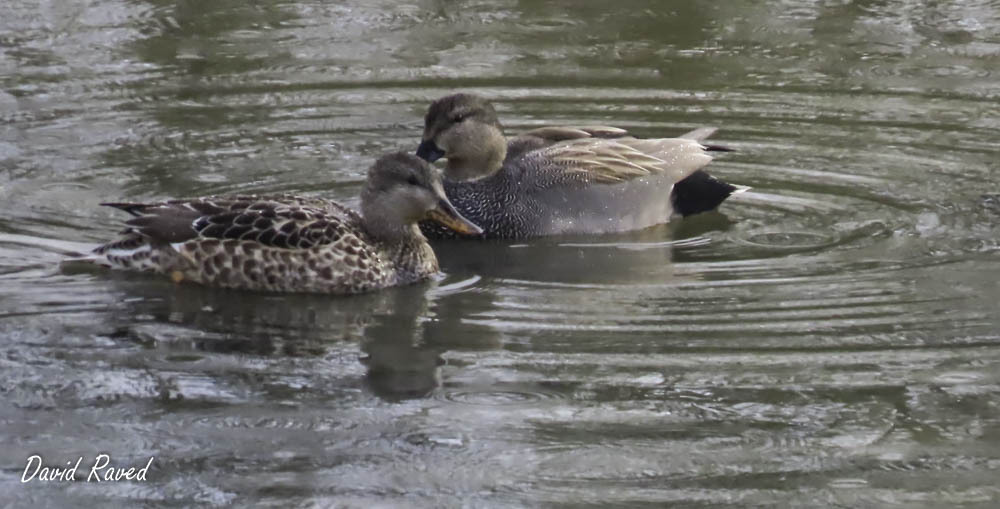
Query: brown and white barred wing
293, 223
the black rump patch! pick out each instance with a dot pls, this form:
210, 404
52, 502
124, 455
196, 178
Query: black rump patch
699, 192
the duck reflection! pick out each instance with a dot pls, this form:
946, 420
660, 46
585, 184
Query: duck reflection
402, 333
398, 370
405, 348
399, 364
622, 258
226, 321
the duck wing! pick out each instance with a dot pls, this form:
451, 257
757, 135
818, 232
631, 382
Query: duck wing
280, 221
585, 157
563, 133
547, 136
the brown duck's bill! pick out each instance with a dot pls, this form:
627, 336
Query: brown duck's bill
446, 214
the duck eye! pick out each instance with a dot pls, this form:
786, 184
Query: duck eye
459, 117
412, 180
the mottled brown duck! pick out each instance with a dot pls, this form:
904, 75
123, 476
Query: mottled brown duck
287, 243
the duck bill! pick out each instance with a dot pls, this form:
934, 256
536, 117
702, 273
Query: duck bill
446, 214
429, 151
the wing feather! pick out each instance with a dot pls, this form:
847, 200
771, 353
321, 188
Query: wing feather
602, 154
613, 160
281, 221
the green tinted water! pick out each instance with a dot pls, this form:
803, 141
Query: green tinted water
829, 339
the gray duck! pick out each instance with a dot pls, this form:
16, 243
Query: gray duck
563, 180
289, 243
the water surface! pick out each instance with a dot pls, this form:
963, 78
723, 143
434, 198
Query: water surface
830, 338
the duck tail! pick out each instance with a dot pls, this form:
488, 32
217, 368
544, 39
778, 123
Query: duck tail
86, 263
701, 192
135, 209
718, 148
703, 133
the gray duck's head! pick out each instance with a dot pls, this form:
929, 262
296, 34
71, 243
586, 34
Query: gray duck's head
400, 191
464, 129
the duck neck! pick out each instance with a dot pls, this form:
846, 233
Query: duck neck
478, 159
412, 257
400, 242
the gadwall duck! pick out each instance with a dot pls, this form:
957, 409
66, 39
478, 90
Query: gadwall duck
289, 243
564, 180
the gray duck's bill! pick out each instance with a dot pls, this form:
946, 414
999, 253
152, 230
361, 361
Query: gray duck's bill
429, 151
446, 214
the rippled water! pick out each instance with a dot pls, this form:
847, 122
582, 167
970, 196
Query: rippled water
830, 338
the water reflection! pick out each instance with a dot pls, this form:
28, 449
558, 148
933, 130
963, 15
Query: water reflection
588, 260
187, 323
399, 363
400, 336
398, 367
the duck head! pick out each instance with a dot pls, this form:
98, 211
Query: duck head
400, 191
464, 129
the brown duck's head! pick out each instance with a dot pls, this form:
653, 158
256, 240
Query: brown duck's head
464, 129
403, 189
